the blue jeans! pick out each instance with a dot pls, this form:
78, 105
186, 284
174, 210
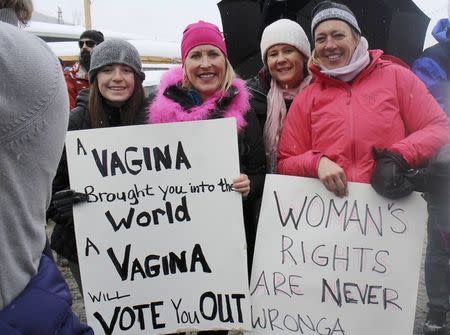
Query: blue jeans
437, 271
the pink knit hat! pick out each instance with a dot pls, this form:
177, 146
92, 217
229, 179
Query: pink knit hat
201, 33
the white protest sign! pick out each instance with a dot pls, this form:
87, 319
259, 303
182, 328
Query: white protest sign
161, 242
326, 265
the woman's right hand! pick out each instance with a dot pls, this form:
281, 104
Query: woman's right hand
332, 176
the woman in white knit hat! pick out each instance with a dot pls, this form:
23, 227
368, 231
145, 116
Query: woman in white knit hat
285, 51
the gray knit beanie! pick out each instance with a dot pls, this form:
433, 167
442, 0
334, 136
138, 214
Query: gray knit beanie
115, 51
284, 31
327, 10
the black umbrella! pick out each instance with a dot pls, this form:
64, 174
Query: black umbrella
241, 21
396, 26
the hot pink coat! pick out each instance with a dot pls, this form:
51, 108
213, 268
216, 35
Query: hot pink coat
386, 106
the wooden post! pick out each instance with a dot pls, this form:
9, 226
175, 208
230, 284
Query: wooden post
87, 14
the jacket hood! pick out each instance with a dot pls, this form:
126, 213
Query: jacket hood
164, 109
34, 109
440, 30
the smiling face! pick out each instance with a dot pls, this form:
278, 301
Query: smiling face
205, 67
334, 43
285, 64
116, 83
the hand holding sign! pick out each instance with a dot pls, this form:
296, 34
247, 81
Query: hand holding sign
241, 184
332, 176
63, 201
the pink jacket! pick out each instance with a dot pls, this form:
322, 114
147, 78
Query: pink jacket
386, 106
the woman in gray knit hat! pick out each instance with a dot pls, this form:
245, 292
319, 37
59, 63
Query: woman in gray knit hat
115, 98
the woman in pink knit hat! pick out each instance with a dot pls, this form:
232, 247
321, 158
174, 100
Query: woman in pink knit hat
205, 87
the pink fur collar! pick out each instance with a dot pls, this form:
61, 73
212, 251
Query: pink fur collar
163, 109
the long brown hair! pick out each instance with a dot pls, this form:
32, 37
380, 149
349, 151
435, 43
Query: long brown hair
128, 110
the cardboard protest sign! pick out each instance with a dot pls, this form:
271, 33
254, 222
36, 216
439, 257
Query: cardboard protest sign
161, 241
328, 265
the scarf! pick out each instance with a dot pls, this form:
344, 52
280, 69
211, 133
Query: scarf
276, 113
163, 109
360, 59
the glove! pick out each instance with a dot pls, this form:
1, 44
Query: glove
389, 175
82, 98
63, 201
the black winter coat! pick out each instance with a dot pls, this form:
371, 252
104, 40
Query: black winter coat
259, 87
63, 236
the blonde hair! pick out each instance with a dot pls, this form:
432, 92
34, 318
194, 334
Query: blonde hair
313, 59
227, 80
22, 8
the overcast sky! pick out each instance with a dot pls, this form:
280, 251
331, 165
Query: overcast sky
158, 19
165, 20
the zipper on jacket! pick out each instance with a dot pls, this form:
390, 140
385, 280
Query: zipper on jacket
349, 94
352, 135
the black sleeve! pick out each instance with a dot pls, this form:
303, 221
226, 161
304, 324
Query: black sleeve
79, 119
258, 100
253, 164
61, 180
151, 92
252, 155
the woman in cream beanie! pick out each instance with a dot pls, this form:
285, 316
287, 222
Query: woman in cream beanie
285, 51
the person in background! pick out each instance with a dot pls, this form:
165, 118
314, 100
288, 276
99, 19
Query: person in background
433, 68
205, 87
285, 51
77, 75
363, 118
116, 98
34, 298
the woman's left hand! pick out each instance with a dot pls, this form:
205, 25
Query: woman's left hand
241, 184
